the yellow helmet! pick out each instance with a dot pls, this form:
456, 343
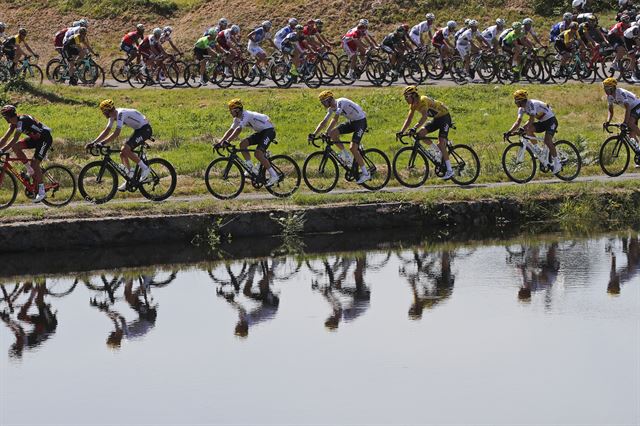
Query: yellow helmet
235, 103
520, 95
409, 90
107, 105
325, 94
609, 83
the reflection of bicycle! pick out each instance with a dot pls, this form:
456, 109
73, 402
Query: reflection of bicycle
59, 183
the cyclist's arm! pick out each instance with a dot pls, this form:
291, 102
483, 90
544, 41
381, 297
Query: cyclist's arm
370, 41
15, 138
5, 137
273, 44
333, 122
407, 121
483, 41
231, 134
516, 124
174, 47
610, 115
252, 36
536, 39
88, 46
446, 42
324, 122
102, 136
29, 48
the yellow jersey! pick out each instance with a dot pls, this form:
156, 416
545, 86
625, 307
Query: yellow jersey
431, 107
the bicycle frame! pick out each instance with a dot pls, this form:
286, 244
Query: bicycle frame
30, 186
108, 161
353, 168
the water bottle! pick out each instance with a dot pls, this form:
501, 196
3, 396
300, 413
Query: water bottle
634, 144
123, 169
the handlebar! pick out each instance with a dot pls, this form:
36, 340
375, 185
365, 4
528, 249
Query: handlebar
323, 137
519, 132
621, 126
99, 149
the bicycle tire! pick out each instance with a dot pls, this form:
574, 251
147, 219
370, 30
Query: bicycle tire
343, 70
379, 169
570, 159
320, 168
33, 74
51, 65
58, 179
118, 70
58, 74
192, 76
513, 156
290, 172
218, 174
157, 177
614, 147
416, 164
105, 178
137, 78
170, 78
8, 189
466, 170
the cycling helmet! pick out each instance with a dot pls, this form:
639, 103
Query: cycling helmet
8, 111
83, 23
594, 18
293, 21
579, 3
517, 26
400, 30
235, 29
520, 95
107, 105
430, 16
75, 24
311, 22
573, 26
82, 30
223, 21
625, 18
2, 25
318, 22
363, 22
167, 30
500, 22
235, 104
22, 31
213, 31
473, 23
140, 28
410, 90
157, 32
609, 83
324, 95
299, 27
266, 25
452, 25
567, 16
527, 21
466, 22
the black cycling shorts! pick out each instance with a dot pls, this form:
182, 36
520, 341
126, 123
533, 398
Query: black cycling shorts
40, 144
140, 135
287, 48
357, 127
263, 138
10, 53
199, 53
560, 46
615, 41
549, 126
443, 124
635, 114
71, 50
127, 48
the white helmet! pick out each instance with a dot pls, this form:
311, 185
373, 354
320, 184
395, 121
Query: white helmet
364, 22
266, 25
223, 21
75, 24
500, 22
235, 29
83, 23
430, 16
167, 30
466, 22
157, 32
579, 3
2, 25
140, 27
293, 21
473, 23
527, 21
567, 16
452, 25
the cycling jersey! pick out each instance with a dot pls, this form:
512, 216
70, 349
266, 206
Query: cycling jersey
58, 38
392, 40
256, 121
131, 38
259, 34
567, 37
537, 109
583, 31
292, 38
430, 107
70, 33
511, 38
347, 108
440, 36
632, 32
422, 27
623, 97
466, 37
354, 33
204, 43
281, 34
128, 117
153, 41
12, 41
166, 36
618, 29
459, 33
225, 38
145, 45
76, 40
31, 127
490, 33
557, 29
309, 30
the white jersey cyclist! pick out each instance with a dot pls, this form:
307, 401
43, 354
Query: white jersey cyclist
128, 117
280, 35
260, 35
463, 44
256, 121
490, 33
349, 109
537, 109
70, 33
624, 98
417, 30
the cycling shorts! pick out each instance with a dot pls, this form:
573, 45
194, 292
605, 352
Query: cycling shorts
40, 144
140, 135
443, 124
549, 126
262, 138
357, 127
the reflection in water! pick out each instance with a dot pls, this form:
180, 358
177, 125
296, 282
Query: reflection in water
538, 267
620, 276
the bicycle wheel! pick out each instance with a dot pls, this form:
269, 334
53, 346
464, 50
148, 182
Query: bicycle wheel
137, 77
224, 178
171, 76
486, 70
192, 76
93, 75
465, 164
221, 78
614, 156
59, 74
379, 168
33, 74
328, 70
51, 65
313, 78
320, 172
161, 182
181, 66
410, 167
344, 67
280, 75
570, 159
288, 173
519, 163
120, 70
97, 182
413, 73
250, 74
59, 184
434, 67
8, 189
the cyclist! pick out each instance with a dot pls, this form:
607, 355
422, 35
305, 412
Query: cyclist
294, 44
616, 39
628, 100
511, 42
356, 124
441, 121
130, 43
491, 34
352, 43
465, 45
283, 32
464, 28
223, 24
310, 32
3, 27
58, 39
229, 40
38, 138
324, 41
12, 50
546, 123
264, 134
141, 132
527, 28
441, 41
567, 42
256, 37
166, 36
394, 44
206, 46
561, 26
588, 32
424, 27
150, 49
75, 47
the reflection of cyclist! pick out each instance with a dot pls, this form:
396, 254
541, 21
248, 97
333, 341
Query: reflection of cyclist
631, 247
538, 274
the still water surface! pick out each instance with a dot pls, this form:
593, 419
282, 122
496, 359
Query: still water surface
543, 332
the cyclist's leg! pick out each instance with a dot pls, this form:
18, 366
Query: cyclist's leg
549, 127
633, 123
263, 139
357, 128
41, 148
139, 136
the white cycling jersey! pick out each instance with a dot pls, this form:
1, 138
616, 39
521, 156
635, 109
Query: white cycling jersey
537, 109
467, 37
632, 32
422, 27
258, 122
128, 117
624, 97
490, 33
349, 109
70, 33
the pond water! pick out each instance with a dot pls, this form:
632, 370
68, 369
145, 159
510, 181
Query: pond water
541, 331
